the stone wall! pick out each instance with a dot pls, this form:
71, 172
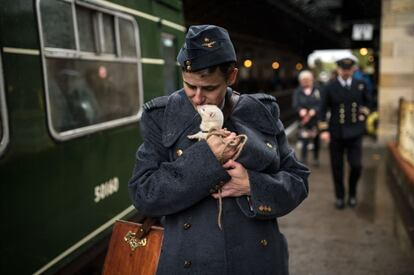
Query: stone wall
396, 63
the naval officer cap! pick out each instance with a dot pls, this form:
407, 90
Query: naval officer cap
205, 46
347, 62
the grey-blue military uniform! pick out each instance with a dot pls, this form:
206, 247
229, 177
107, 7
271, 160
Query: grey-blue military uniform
175, 176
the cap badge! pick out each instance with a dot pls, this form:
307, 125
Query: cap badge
207, 43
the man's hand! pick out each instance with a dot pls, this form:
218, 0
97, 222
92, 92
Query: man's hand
312, 112
325, 136
239, 184
218, 146
302, 112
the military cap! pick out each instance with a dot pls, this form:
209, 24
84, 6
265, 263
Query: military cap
347, 62
206, 46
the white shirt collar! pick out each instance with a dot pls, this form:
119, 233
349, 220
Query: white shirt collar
345, 83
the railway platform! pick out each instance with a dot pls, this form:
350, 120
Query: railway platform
369, 239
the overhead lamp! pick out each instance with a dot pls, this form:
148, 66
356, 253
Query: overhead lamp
363, 51
247, 63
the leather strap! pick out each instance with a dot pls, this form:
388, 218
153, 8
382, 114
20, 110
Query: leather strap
146, 227
230, 104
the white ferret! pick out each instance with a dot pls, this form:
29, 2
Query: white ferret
211, 119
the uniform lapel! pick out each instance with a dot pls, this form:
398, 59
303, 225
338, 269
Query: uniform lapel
179, 115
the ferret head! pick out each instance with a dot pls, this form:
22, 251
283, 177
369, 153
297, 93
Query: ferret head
211, 117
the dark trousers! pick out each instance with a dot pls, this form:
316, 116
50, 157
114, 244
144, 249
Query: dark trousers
353, 149
304, 152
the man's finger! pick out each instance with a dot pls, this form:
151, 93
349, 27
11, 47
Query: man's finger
229, 164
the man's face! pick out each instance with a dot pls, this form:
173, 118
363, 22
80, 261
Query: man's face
345, 73
203, 88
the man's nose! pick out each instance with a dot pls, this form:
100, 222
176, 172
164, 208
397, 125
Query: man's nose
198, 98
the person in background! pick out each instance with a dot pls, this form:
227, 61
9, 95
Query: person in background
306, 102
183, 180
348, 100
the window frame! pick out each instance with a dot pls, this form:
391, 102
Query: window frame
5, 138
175, 45
77, 54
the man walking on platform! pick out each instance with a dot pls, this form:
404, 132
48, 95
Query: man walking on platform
348, 100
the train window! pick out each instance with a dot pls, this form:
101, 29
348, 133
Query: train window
60, 35
126, 32
86, 20
4, 130
97, 86
168, 51
109, 34
84, 93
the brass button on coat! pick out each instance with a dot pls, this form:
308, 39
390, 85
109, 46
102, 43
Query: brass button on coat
186, 226
179, 152
187, 264
263, 242
261, 208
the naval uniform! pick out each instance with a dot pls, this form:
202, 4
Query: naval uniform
348, 103
174, 177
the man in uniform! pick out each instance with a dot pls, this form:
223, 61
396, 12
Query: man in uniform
348, 100
179, 179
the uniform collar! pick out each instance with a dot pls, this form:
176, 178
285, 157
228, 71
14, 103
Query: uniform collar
180, 115
252, 112
345, 83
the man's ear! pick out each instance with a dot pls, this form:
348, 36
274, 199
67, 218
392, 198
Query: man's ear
232, 77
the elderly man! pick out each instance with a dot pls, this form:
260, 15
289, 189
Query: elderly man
348, 100
182, 179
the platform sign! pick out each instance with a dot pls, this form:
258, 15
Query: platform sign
362, 32
406, 130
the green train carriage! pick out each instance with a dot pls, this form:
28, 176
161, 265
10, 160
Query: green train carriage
74, 75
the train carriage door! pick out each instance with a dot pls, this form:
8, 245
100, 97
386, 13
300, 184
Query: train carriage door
170, 73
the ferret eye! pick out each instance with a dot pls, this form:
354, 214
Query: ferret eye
211, 114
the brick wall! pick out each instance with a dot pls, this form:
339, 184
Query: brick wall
396, 63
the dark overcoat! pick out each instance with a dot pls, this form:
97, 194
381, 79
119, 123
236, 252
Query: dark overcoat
174, 177
308, 102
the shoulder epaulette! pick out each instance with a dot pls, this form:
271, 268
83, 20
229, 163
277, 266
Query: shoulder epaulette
264, 97
155, 103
